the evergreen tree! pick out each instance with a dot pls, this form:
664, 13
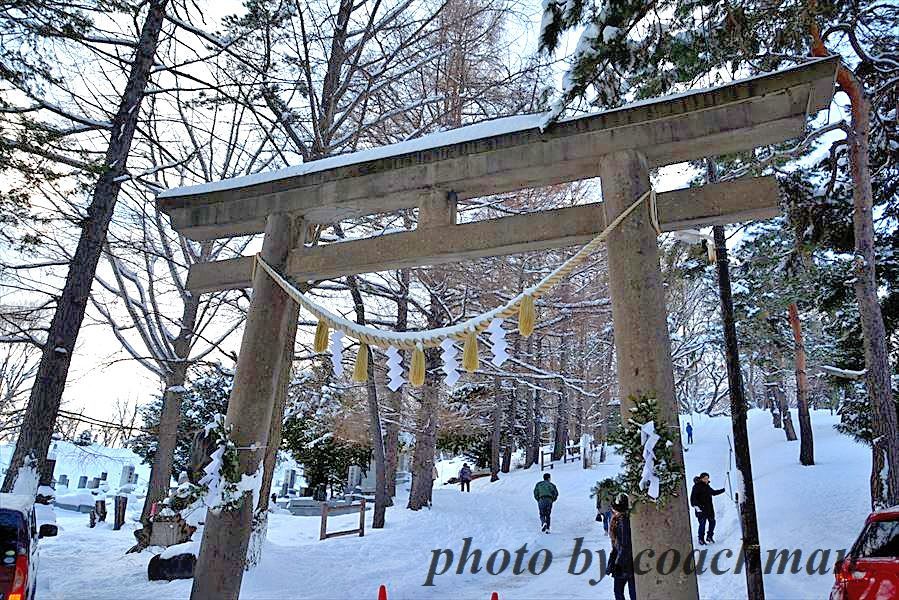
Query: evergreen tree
311, 433
206, 396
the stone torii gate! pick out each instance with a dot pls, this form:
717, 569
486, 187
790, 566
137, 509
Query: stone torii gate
505, 155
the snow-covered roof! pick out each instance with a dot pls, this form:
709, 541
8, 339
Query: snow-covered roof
18, 502
468, 133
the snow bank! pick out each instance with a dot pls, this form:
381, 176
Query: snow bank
185, 548
18, 502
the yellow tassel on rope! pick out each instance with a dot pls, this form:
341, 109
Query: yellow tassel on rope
360, 372
321, 337
417, 369
470, 352
526, 316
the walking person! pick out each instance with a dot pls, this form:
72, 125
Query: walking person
604, 504
621, 559
434, 477
465, 478
701, 500
545, 493
689, 433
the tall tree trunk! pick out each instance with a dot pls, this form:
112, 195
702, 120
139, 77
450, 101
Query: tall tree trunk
785, 416
604, 399
382, 498
374, 417
169, 419
496, 435
170, 416
426, 436
46, 393
750, 388
560, 432
425, 439
536, 421
511, 416
746, 500
806, 437
395, 399
885, 422
528, 396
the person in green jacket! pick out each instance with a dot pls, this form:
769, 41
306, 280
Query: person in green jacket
545, 493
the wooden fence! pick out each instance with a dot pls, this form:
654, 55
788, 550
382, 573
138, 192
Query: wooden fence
323, 533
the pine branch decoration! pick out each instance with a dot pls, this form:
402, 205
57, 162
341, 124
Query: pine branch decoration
628, 443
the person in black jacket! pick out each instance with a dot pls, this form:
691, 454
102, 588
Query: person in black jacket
621, 559
701, 500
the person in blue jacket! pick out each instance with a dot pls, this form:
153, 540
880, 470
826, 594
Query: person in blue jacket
465, 478
689, 433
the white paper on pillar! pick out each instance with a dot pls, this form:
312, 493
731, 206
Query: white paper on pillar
337, 352
450, 364
498, 342
648, 479
394, 369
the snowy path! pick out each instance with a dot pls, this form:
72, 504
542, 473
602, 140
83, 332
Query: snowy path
804, 507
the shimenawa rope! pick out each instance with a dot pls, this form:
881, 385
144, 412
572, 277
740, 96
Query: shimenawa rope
432, 338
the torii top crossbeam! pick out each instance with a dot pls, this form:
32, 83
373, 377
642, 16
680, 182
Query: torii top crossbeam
505, 155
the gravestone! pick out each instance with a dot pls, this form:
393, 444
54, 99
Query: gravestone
64, 480
127, 474
82, 482
46, 474
134, 478
93, 483
121, 503
100, 509
354, 477
284, 488
103, 476
291, 487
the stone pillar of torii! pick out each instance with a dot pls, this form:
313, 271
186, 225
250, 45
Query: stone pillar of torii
505, 155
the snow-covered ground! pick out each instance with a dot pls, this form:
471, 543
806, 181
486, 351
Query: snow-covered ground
799, 507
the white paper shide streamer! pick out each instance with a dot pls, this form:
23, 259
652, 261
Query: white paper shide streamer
394, 369
649, 437
337, 352
450, 365
498, 342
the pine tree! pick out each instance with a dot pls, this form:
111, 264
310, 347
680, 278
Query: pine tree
46, 395
205, 397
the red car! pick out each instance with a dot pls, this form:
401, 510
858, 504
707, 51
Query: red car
871, 569
19, 533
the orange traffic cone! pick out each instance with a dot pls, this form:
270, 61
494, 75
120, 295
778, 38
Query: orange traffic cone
382, 593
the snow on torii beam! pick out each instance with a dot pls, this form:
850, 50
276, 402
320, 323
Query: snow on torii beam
506, 155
